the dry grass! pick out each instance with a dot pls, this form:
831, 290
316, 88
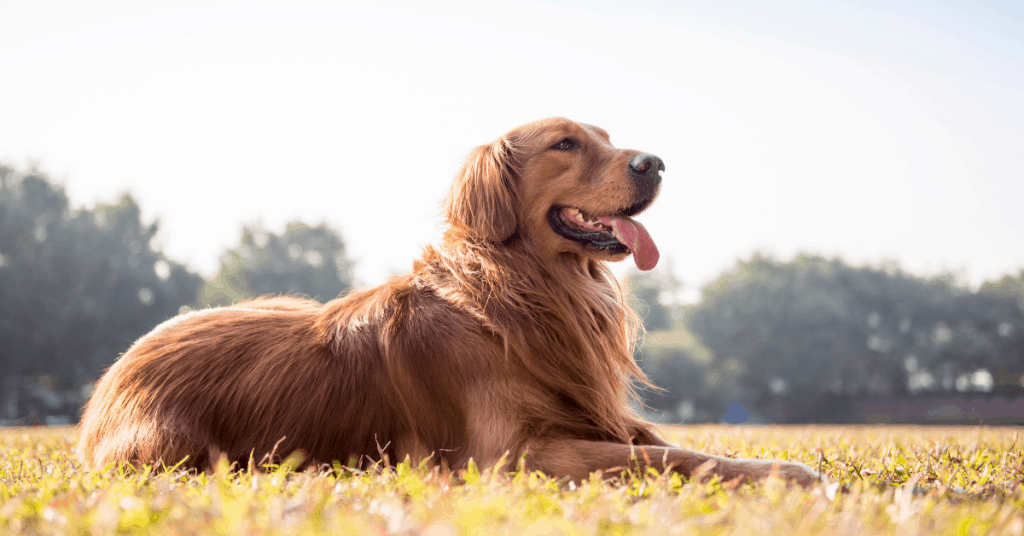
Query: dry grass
894, 480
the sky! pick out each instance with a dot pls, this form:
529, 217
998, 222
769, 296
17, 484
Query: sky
877, 131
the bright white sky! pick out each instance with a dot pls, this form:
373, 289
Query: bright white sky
873, 130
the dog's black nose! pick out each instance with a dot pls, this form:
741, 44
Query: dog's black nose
646, 170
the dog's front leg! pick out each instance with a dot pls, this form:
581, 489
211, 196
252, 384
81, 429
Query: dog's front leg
576, 458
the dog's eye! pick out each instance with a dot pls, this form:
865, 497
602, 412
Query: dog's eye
567, 144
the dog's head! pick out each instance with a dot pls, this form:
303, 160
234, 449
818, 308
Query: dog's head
562, 187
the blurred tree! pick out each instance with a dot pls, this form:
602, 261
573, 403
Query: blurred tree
1011, 287
691, 386
650, 297
304, 260
77, 287
817, 326
1010, 329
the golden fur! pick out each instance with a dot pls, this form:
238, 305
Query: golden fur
506, 339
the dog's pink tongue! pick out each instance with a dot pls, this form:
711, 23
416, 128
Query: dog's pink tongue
636, 238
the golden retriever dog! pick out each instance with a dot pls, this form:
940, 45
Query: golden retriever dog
507, 343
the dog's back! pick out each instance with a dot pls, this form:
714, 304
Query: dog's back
238, 380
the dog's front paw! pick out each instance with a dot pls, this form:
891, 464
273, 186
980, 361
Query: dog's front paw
799, 474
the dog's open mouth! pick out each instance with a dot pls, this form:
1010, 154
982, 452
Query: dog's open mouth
614, 234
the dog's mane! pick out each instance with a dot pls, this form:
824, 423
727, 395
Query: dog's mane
566, 327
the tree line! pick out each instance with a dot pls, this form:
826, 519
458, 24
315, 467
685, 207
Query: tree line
792, 340
79, 285
798, 340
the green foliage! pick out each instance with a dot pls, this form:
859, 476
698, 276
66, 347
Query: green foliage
822, 326
1011, 287
1011, 343
304, 260
692, 385
646, 292
891, 480
680, 376
77, 287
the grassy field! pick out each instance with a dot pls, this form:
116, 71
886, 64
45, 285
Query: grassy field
893, 480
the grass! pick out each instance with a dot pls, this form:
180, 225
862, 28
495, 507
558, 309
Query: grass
894, 480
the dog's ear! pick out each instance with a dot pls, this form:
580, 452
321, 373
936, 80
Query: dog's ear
483, 199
